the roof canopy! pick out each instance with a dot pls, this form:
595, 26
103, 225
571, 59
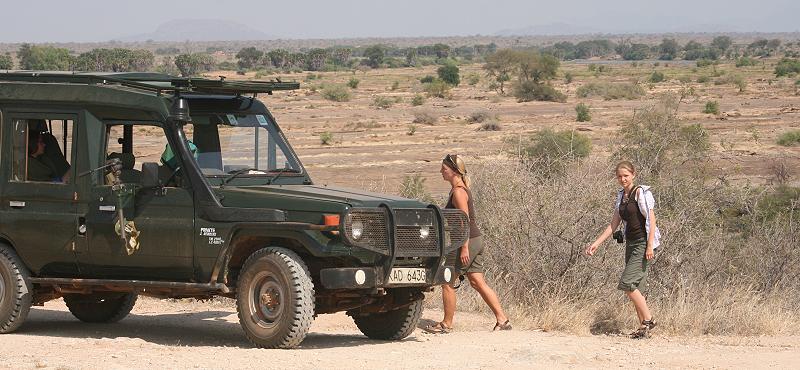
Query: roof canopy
155, 82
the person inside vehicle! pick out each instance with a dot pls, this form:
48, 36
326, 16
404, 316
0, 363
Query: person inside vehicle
41, 167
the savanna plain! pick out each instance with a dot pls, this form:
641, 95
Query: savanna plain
714, 139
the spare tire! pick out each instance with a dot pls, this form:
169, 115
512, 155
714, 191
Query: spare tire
100, 307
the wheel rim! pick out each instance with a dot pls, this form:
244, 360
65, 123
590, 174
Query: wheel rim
267, 299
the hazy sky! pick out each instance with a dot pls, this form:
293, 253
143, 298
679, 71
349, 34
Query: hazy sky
94, 20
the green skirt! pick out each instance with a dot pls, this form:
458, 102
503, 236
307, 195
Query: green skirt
635, 274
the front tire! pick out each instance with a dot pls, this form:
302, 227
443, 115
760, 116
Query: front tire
392, 325
100, 307
275, 298
15, 290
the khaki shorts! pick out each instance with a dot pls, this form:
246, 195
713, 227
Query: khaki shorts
635, 274
475, 257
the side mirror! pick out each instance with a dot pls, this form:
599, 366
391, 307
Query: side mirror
150, 175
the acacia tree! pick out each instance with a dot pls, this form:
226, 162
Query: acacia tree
191, 64
279, 58
668, 49
500, 66
6, 62
44, 58
374, 55
249, 57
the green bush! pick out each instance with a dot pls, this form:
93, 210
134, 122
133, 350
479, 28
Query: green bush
427, 79
6, 62
418, 100
383, 102
395, 85
326, 138
711, 107
685, 79
703, 79
705, 62
413, 187
789, 138
656, 77
746, 62
437, 89
787, 67
338, 93
449, 74
568, 78
611, 91
583, 113
554, 150
353, 83
536, 91
412, 129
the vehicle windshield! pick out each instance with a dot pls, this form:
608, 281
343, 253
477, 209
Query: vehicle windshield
249, 145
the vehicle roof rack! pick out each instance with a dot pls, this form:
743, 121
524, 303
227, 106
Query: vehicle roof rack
154, 82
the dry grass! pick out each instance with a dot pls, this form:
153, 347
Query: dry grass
705, 280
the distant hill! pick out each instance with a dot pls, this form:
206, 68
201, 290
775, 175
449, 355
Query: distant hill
200, 30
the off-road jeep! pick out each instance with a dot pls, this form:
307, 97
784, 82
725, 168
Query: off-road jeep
124, 184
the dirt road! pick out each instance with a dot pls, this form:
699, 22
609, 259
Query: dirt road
183, 334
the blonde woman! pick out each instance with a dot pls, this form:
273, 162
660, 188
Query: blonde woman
469, 259
634, 208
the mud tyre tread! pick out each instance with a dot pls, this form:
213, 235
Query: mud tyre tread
299, 312
15, 302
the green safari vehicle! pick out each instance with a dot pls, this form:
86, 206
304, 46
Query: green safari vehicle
115, 185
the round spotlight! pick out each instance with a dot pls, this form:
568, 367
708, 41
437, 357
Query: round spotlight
361, 277
448, 275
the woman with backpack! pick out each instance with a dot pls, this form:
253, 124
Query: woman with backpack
634, 208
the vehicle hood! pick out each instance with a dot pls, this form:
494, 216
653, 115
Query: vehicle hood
309, 197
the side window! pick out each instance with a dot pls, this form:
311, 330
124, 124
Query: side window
42, 150
134, 144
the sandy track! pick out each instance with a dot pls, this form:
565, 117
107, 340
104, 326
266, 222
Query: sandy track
162, 334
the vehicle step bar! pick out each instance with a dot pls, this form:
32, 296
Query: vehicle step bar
212, 287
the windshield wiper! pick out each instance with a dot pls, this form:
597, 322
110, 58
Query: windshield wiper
281, 171
236, 174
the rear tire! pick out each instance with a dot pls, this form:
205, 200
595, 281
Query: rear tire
391, 325
100, 307
275, 298
15, 290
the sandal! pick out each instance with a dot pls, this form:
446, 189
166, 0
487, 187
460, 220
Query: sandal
438, 328
644, 331
504, 326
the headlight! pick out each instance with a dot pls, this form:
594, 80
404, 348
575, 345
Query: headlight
357, 229
424, 231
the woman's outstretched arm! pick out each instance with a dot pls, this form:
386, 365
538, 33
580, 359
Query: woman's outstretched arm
615, 220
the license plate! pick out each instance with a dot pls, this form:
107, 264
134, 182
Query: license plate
405, 275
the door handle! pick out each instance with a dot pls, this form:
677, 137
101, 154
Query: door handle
107, 208
16, 204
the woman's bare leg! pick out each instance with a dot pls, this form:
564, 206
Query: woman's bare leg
640, 304
449, 303
478, 282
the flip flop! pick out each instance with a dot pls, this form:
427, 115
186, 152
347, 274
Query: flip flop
504, 326
438, 328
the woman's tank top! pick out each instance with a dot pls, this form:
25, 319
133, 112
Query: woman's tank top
474, 232
634, 220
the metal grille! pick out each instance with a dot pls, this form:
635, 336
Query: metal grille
410, 242
375, 235
456, 228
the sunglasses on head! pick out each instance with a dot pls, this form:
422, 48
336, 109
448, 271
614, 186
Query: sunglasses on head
452, 159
